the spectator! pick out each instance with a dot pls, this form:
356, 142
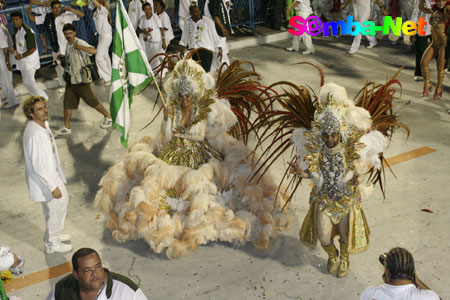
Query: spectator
44, 175
199, 32
217, 62
2, 16
78, 80
220, 16
160, 9
400, 279
42, 9
103, 21
135, 11
421, 42
302, 9
54, 23
277, 14
151, 34
27, 56
6, 82
90, 280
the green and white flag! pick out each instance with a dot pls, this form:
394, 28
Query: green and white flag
131, 72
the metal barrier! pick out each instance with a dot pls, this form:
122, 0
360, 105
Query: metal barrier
243, 12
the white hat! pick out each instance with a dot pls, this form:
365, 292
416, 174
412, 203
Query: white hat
6, 258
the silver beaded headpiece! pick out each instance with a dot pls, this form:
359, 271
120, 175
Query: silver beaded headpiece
329, 123
185, 86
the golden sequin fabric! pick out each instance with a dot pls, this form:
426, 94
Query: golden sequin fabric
188, 153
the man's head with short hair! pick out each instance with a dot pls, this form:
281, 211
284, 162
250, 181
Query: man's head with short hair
56, 8
160, 6
399, 264
196, 13
35, 107
88, 269
17, 19
69, 32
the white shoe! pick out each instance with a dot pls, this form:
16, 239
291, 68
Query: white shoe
309, 51
106, 123
372, 45
352, 51
418, 78
59, 248
63, 131
63, 237
19, 269
292, 49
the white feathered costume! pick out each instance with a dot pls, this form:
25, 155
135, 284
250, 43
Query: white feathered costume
176, 208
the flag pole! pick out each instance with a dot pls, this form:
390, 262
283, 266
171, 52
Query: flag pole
138, 43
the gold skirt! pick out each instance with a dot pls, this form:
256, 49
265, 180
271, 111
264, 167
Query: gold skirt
188, 153
358, 237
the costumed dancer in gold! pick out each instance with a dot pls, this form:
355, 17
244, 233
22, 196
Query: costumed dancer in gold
189, 184
338, 142
439, 20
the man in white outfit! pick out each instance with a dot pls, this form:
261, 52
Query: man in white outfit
27, 56
361, 13
6, 82
45, 178
216, 62
303, 9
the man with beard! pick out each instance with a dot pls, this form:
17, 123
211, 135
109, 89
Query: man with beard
89, 280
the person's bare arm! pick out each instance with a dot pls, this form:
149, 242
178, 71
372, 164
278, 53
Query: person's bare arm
347, 2
222, 28
30, 14
90, 50
79, 13
29, 52
294, 5
424, 9
6, 55
164, 45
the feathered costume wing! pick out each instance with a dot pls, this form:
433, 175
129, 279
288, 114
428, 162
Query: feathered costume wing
291, 113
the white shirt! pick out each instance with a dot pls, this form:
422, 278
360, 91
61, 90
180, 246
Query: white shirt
60, 21
31, 61
165, 22
304, 5
42, 165
200, 35
397, 292
102, 25
153, 24
417, 14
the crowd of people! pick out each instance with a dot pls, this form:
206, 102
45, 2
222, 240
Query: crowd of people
195, 182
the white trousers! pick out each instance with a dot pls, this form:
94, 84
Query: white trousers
6, 83
305, 38
30, 83
102, 58
361, 14
357, 42
55, 212
59, 70
151, 49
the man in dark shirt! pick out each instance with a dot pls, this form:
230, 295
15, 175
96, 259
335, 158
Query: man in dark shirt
219, 15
